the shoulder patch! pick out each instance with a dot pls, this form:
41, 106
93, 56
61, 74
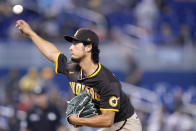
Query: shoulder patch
113, 101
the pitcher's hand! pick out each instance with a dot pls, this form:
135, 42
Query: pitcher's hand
24, 28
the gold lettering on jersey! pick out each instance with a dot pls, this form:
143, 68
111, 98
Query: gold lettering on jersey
87, 87
83, 87
97, 96
77, 88
92, 93
72, 84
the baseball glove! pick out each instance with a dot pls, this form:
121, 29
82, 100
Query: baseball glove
81, 105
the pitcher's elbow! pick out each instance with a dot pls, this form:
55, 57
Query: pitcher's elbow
108, 124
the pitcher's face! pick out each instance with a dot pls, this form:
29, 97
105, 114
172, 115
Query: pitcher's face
77, 51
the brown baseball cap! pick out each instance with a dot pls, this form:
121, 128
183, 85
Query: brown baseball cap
84, 35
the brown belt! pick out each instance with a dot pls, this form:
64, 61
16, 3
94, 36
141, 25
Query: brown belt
125, 121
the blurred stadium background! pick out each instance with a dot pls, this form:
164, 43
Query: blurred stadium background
150, 45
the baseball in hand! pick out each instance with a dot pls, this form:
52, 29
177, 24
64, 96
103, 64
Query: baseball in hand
17, 9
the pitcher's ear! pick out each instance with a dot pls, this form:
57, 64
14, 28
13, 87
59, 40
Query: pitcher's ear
88, 48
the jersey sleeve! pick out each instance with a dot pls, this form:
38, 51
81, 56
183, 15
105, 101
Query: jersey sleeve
110, 97
61, 64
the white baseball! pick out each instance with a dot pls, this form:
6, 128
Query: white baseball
17, 9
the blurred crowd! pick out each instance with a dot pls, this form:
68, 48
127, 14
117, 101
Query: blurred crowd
161, 22
21, 94
175, 112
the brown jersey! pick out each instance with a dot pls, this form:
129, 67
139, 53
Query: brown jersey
104, 87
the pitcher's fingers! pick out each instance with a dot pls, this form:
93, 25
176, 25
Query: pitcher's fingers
17, 25
20, 22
